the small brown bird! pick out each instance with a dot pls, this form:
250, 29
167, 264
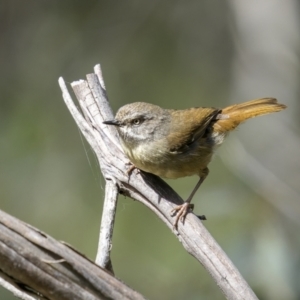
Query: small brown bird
178, 143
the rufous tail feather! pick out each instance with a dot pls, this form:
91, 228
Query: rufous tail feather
233, 115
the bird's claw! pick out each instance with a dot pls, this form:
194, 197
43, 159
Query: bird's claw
180, 212
131, 168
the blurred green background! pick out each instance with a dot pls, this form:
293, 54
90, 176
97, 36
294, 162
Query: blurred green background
176, 54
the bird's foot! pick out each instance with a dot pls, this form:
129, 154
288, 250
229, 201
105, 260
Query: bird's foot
130, 169
180, 212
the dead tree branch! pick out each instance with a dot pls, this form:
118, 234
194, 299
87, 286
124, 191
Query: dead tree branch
35, 266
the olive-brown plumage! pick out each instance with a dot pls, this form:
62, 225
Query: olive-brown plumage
178, 143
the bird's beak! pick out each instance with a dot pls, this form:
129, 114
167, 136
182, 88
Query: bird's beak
112, 122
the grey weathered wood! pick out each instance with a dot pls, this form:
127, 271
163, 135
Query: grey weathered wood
11, 286
107, 226
35, 266
149, 189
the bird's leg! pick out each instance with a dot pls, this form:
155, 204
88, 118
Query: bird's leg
182, 210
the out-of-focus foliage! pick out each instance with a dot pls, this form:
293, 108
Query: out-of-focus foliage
176, 54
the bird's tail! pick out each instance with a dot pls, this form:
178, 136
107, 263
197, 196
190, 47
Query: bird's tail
231, 116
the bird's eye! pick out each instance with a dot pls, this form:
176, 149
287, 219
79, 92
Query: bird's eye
136, 121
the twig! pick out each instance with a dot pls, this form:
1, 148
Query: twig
107, 226
152, 191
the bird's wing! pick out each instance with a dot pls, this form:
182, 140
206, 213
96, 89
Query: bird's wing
188, 126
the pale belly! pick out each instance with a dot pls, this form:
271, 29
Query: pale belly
172, 165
